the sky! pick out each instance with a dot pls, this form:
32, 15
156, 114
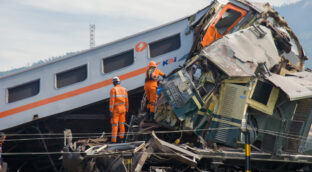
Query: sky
33, 30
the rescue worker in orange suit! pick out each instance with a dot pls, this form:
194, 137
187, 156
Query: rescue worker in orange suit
118, 107
150, 88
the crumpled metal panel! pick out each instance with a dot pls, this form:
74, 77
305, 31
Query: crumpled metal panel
238, 54
304, 75
295, 87
181, 95
250, 48
222, 56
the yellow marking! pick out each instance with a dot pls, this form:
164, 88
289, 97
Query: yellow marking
248, 170
234, 80
247, 149
177, 141
128, 161
181, 76
200, 113
211, 107
197, 102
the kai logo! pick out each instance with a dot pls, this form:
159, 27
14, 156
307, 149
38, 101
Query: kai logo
141, 46
169, 61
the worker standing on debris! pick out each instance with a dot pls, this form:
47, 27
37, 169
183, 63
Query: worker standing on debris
118, 107
150, 87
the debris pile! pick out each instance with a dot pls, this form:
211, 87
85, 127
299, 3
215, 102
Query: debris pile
244, 75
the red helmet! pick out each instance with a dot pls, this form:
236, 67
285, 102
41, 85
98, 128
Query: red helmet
152, 64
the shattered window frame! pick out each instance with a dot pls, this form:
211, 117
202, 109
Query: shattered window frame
182, 95
204, 87
165, 45
265, 108
228, 13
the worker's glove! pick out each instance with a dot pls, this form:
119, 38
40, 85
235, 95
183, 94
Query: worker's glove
164, 76
110, 114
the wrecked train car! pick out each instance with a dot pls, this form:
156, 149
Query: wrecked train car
244, 72
253, 75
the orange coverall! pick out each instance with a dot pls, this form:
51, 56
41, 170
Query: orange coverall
118, 105
150, 87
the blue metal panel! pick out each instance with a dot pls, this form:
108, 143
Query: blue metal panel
223, 132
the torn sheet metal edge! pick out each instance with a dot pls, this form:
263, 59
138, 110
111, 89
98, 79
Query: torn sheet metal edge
249, 46
165, 151
257, 6
294, 90
226, 65
145, 155
174, 147
233, 58
304, 74
97, 150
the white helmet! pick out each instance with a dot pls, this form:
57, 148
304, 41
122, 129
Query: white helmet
116, 80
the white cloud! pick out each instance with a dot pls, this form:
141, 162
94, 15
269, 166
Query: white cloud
34, 29
145, 9
307, 3
277, 2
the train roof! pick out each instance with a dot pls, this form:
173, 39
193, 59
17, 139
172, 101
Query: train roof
100, 46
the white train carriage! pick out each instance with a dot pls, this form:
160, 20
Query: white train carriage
85, 77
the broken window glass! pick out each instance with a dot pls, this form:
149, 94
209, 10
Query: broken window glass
227, 19
182, 95
202, 77
206, 89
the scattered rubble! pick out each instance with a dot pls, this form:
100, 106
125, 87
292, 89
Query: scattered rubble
244, 74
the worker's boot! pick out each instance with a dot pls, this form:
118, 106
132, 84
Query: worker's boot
152, 116
121, 141
147, 116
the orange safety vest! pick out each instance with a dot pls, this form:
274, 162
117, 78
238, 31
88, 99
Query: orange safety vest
152, 75
118, 101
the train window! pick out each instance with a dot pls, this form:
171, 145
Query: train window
227, 20
71, 76
118, 61
23, 91
262, 92
165, 45
263, 97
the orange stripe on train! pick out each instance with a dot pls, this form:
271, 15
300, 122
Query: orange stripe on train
70, 93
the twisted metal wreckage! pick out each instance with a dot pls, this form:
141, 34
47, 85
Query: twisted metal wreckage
244, 74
